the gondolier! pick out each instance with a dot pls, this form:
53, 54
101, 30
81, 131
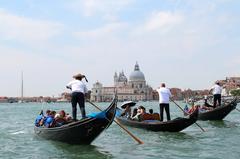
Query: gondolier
216, 90
79, 90
164, 96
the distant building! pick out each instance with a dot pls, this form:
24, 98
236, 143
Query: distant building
230, 83
176, 93
3, 99
135, 88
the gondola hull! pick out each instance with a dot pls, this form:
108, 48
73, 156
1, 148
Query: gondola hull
80, 132
218, 113
175, 125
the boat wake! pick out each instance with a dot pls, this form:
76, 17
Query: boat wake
18, 132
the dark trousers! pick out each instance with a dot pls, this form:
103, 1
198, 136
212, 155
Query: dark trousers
78, 98
216, 98
166, 107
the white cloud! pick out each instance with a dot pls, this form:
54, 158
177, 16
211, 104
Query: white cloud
102, 8
105, 31
160, 22
162, 19
24, 29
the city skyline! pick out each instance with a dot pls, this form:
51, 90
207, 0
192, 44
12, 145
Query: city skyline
186, 44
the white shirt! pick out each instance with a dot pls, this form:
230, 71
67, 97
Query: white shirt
164, 95
77, 86
217, 89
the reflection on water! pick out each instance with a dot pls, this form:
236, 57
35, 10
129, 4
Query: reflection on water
81, 151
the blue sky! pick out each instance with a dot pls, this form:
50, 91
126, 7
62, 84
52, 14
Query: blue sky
185, 43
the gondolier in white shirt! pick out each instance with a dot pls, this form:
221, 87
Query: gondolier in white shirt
217, 91
79, 90
164, 97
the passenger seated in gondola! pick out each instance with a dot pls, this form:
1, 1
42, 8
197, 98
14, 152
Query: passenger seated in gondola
41, 118
186, 109
150, 111
44, 117
151, 115
60, 118
140, 112
49, 121
191, 110
127, 111
200, 108
38, 119
68, 117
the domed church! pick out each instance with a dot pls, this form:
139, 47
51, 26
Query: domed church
134, 89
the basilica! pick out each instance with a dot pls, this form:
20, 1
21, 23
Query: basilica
135, 88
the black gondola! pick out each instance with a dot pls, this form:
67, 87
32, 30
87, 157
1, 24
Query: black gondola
82, 131
218, 113
174, 125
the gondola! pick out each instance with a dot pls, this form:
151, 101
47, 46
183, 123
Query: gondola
83, 131
218, 113
175, 125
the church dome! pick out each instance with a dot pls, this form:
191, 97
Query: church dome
136, 75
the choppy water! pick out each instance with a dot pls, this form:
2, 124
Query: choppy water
17, 139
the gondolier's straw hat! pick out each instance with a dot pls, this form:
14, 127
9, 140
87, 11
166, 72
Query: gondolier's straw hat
79, 75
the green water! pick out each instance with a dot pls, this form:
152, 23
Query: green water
220, 141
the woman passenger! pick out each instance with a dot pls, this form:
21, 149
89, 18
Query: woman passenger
60, 118
140, 111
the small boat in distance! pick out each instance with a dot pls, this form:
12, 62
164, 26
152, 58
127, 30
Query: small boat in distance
82, 131
175, 125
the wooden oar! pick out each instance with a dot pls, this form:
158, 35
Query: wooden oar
119, 124
187, 113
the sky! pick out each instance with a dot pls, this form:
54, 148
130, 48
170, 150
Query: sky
184, 43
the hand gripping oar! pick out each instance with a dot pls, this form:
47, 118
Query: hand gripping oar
187, 113
119, 124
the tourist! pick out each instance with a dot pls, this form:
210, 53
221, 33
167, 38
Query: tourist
49, 121
60, 118
127, 111
39, 119
216, 90
192, 109
154, 116
140, 112
186, 109
79, 90
47, 112
150, 111
41, 122
164, 97
68, 117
